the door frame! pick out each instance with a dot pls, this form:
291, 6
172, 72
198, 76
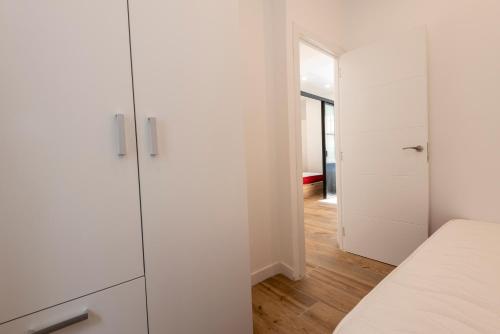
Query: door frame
295, 144
324, 102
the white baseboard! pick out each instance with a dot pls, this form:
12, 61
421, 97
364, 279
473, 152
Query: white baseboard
288, 271
271, 270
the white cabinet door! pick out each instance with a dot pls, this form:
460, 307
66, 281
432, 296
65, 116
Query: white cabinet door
193, 192
69, 205
118, 310
383, 114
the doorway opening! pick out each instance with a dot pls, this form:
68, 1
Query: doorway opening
329, 278
319, 176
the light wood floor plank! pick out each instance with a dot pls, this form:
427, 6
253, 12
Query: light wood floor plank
335, 282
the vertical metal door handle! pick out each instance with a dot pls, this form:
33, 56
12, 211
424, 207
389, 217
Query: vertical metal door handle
153, 137
121, 135
63, 324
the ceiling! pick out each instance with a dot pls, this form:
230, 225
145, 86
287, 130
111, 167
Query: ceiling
317, 72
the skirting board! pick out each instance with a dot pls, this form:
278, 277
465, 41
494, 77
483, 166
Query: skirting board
271, 270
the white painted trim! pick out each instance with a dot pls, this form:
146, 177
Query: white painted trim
266, 272
295, 142
288, 271
272, 270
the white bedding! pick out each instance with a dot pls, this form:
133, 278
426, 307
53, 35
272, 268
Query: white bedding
450, 284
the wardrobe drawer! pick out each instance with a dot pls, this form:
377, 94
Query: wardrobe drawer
121, 309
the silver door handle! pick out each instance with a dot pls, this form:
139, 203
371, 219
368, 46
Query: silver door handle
153, 137
121, 136
418, 148
60, 325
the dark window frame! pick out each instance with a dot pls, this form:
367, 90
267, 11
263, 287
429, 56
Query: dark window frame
323, 101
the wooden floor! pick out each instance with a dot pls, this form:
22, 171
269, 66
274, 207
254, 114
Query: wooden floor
335, 282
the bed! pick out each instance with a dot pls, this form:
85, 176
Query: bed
450, 284
310, 177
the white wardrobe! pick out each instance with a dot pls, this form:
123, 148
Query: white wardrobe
122, 177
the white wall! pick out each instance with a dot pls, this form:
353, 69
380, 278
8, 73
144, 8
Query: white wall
464, 82
260, 147
320, 20
464, 76
312, 143
266, 42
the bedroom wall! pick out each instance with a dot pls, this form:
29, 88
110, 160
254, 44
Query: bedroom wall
322, 20
464, 81
464, 76
255, 56
266, 31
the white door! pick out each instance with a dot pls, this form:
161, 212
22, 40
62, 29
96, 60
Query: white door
193, 190
69, 205
385, 182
